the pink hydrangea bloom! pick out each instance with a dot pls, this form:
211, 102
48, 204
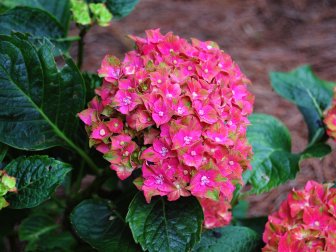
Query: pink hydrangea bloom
330, 118
306, 221
177, 111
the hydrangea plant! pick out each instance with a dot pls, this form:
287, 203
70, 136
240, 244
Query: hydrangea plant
176, 150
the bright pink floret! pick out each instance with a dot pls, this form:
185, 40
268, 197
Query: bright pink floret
306, 221
178, 111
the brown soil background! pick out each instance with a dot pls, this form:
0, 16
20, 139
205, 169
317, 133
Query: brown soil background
261, 36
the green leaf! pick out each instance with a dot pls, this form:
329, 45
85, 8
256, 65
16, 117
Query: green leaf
121, 8
36, 179
39, 231
228, 239
163, 225
316, 151
35, 226
39, 102
3, 151
60, 9
58, 242
98, 223
38, 23
311, 94
272, 163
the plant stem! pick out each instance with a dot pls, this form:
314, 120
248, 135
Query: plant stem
82, 153
80, 52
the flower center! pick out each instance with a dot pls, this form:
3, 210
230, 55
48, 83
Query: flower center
126, 153
231, 162
220, 65
175, 62
194, 94
189, 68
180, 110
201, 112
102, 132
169, 95
159, 180
187, 139
159, 81
116, 125
193, 153
160, 113
127, 100
206, 70
164, 151
204, 180
217, 139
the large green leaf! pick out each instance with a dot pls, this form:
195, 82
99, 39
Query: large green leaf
60, 9
36, 226
163, 225
98, 223
42, 234
38, 101
311, 94
273, 162
36, 179
37, 22
228, 239
121, 8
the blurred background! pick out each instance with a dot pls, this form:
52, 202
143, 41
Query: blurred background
261, 36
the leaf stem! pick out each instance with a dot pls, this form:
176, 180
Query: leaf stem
80, 52
82, 153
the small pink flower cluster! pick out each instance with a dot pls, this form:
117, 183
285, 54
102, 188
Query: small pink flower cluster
179, 111
330, 118
306, 221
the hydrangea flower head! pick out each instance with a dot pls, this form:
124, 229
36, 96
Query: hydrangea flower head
306, 221
177, 111
330, 118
